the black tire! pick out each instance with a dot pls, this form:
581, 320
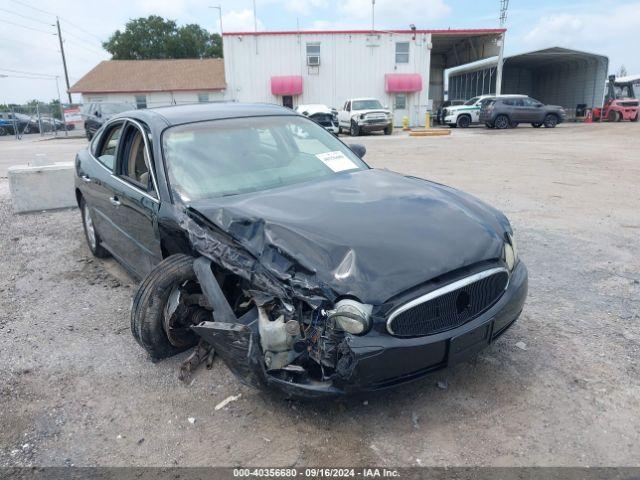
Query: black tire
635, 119
463, 121
87, 224
388, 130
354, 130
501, 122
339, 130
3, 132
613, 116
536, 125
147, 310
27, 129
550, 121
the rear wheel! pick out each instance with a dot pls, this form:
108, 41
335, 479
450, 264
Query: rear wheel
502, 122
635, 119
161, 314
90, 232
550, 121
354, 131
463, 121
536, 125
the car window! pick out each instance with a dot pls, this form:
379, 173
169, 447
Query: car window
235, 156
366, 104
348, 107
107, 153
472, 101
135, 159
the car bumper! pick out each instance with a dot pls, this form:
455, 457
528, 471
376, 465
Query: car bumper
373, 127
381, 361
451, 119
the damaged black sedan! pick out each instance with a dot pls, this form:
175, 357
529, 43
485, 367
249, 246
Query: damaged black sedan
261, 238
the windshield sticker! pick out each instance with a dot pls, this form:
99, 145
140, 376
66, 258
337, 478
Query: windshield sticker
336, 161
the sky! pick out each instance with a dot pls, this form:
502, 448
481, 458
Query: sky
30, 57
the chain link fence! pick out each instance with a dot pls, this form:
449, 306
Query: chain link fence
43, 119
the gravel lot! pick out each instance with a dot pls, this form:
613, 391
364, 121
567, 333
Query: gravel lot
561, 388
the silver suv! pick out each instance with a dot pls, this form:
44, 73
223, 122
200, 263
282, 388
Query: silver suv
508, 111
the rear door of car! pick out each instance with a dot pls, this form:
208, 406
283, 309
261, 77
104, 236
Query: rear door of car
135, 202
97, 180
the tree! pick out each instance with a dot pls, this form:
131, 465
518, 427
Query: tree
155, 37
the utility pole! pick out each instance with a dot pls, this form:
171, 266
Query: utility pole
64, 60
504, 6
373, 16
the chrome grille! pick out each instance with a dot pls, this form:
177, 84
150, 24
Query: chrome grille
450, 306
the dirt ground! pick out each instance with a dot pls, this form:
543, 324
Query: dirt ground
561, 388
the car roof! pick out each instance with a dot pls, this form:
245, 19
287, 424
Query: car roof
512, 95
363, 98
180, 114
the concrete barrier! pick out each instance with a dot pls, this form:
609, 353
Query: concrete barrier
43, 187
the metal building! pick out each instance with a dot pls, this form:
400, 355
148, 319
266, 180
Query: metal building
557, 76
404, 69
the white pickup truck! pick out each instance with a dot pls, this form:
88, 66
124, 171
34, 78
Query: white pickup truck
464, 115
364, 115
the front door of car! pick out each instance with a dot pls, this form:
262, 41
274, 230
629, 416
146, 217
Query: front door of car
531, 112
135, 202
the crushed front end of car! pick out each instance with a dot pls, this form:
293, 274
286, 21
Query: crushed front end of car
314, 317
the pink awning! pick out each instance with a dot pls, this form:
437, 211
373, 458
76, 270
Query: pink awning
287, 85
402, 82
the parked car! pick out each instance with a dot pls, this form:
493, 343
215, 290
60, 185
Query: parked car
440, 112
360, 115
466, 114
23, 123
323, 115
95, 114
6, 127
302, 267
508, 111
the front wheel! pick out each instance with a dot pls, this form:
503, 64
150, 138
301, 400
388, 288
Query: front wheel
388, 130
502, 122
161, 313
550, 121
635, 119
354, 131
90, 232
536, 125
339, 130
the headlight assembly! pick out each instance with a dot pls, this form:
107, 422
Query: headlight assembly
510, 251
352, 316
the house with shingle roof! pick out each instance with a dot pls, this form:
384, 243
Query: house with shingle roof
154, 83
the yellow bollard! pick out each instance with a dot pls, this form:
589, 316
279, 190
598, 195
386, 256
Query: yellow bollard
405, 123
427, 120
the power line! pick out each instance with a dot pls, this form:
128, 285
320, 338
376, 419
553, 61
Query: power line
27, 27
27, 73
75, 36
83, 30
40, 47
26, 17
33, 8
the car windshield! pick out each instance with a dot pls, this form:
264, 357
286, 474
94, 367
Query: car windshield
365, 105
229, 157
113, 108
472, 101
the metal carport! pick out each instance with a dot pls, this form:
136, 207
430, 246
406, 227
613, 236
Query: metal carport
558, 76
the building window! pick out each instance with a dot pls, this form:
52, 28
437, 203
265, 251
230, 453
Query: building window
141, 101
203, 97
400, 101
402, 52
313, 54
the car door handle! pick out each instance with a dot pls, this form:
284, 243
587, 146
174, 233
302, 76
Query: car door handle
114, 201
86, 178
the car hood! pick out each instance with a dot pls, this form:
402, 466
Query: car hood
371, 234
367, 112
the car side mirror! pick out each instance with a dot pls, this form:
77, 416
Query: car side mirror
358, 149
